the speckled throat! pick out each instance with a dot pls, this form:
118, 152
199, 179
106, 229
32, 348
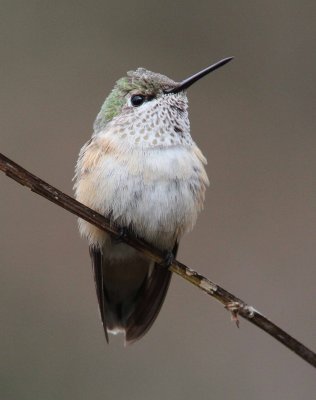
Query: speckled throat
161, 122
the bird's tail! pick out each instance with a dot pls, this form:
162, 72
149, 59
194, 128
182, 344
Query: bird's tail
130, 293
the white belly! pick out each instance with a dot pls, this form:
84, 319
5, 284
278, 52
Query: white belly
157, 193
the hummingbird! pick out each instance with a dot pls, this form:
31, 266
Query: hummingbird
142, 170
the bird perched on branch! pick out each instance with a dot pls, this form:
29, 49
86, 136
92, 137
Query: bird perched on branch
141, 169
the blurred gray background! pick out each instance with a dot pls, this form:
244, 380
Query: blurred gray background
254, 120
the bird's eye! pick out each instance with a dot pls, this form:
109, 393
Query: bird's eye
137, 100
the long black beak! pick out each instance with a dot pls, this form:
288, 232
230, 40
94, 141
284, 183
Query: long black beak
192, 79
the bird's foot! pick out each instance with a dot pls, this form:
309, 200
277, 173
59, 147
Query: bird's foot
123, 233
234, 308
168, 260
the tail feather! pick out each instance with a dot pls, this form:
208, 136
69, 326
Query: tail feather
96, 258
130, 294
151, 297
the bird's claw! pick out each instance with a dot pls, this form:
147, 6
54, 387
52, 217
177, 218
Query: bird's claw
123, 233
168, 260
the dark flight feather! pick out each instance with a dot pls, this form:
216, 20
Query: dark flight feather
130, 295
96, 258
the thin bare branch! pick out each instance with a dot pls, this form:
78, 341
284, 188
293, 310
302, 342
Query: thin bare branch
235, 305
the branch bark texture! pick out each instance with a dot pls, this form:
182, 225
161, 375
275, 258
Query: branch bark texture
231, 302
